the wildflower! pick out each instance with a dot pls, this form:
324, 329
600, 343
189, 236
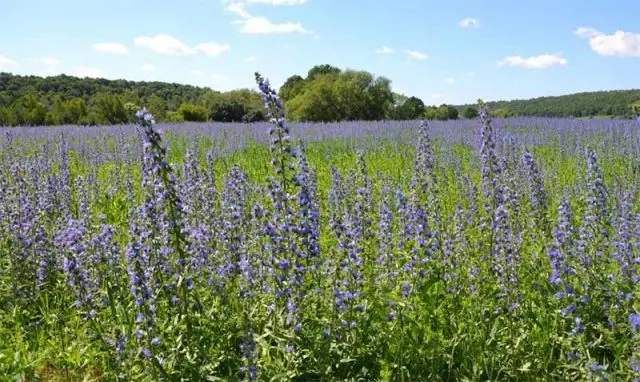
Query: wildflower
490, 167
537, 192
572, 356
634, 320
635, 365
578, 326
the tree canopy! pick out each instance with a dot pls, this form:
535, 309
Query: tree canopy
470, 112
56, 100
327, 93
613, 103
331, 94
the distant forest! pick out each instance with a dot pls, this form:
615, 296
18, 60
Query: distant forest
612, 103
325, 94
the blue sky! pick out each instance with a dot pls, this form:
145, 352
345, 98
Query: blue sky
441, 51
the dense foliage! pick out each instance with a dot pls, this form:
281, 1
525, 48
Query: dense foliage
59, 100
441, 113
326, 94
614, 103
330, 94
460, 250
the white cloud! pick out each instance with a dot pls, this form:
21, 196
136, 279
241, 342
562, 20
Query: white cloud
171, 46
384, 50
110, 47
585, 32
450, 80
416, 55
49, 61
6, 62
83, 71
164, 44
213, 49
238, 9
252, 59
469, 22
436, 95
278, 2
620, 43
147, 68
261, 25
196, 72
543, 61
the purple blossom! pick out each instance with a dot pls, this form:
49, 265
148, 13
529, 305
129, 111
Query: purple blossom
634, 320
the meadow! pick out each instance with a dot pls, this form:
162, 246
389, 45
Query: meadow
472, 250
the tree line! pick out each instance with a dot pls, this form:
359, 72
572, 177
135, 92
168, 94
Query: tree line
59, 100
612, 103
329, 94
325, 94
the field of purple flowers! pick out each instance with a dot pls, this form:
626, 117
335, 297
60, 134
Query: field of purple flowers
392, 251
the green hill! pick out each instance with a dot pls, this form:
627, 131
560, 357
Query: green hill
612, 103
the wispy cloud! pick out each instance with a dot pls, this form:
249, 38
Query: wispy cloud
238, 9
171, 46
110, 47
620, 43
164, 44
196, 72
469, 22
6, 62
147, 68
213, 49
384, 50
450, 80
250, 24
252, 59
416, 55
262, 25
544, 61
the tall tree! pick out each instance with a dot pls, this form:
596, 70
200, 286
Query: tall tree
317, 102
470, 112
57, 114
110, 109
192, 113
75, 111
411, 108
157, 107
321, 70
291, 87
